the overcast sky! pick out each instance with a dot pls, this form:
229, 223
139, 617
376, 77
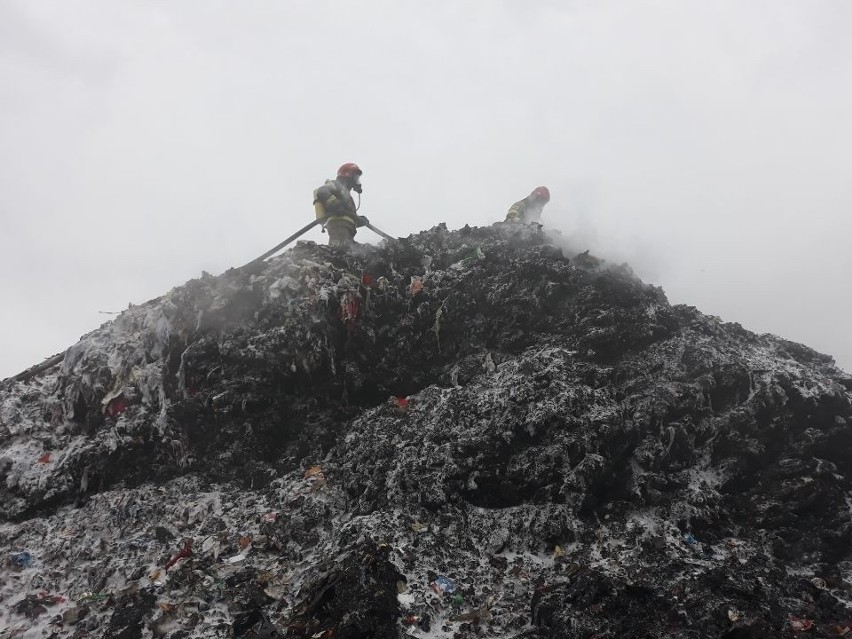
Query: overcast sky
709, 144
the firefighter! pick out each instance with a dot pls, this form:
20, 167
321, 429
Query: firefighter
335, 207
529, 209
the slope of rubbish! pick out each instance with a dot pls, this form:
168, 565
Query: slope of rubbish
456, 434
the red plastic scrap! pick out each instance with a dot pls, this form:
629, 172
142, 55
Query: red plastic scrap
402, 403
44, 459
116, 406
800, 625
186, 551
270, 517
367, 279
416, 285
350, 308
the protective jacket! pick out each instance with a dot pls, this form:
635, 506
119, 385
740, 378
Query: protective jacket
526, 211
334, 204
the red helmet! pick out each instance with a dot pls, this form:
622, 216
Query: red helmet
541, 193
349, 170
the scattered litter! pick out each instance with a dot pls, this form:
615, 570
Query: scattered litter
186, 551
401, 586
418, 527
819, 583
467, 261
402, 403
245, 541
367, 279
211, 545
270, 517
689, 539
22, 559
800, 625
44, 459
91, 597
116, 406
458, 600
70, 616
33, 606
734, 615
476, 616
841, 630
416, 285
558, 552
445, 584
350, 308
314, 471
412, 620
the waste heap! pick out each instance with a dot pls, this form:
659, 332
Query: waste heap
456, 434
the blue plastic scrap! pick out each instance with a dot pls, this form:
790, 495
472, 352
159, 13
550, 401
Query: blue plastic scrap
445, 583
22, 559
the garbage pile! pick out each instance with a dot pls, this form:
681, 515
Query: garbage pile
455, 434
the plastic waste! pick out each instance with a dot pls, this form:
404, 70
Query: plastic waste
350, 309
416, 285
116, 406
445, 583
91, 597
270, 517
253, 623
418, 527
48, 599
465, 262
186, 551
70, 616
314, 472
44, 459
33, 606
458, 600
689, 539
23, 559
800, 625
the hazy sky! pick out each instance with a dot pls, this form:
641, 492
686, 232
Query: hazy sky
707, 143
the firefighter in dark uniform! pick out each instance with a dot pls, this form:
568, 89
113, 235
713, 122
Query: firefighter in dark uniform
529, 209
335, 207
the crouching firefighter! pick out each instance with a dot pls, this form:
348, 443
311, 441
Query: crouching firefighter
335, 207
529, 209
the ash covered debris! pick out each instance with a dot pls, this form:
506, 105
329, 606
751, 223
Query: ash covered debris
457, 434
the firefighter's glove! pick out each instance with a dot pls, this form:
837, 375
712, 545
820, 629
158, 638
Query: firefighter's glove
362, 221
